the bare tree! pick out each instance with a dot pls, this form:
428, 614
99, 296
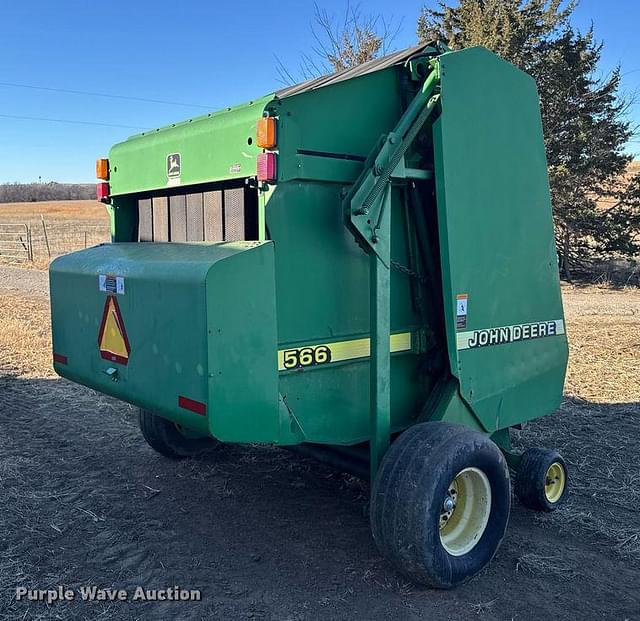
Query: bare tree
342, 43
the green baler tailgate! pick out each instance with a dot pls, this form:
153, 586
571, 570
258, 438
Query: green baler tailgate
503, 309
195, 330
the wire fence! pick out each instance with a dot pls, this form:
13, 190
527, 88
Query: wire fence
30, 242
15, 242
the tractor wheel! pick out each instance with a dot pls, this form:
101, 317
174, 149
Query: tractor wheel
440, 503
541, 479
166, 437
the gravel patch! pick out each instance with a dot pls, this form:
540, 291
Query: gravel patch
30, 282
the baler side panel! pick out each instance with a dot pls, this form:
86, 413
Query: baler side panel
497, 241
322, 274
322, 285
242, 348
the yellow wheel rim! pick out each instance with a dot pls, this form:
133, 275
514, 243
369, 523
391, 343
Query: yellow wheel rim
465, 511
555, 481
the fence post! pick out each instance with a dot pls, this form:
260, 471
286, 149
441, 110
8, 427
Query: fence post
26, 244
46, 238
30, 240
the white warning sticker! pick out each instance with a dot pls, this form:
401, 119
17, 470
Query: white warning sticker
462, 300
111, 284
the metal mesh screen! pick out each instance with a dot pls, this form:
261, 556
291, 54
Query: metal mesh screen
160, 219
213, 216
178, 218
195, 217
234, 214
145, 220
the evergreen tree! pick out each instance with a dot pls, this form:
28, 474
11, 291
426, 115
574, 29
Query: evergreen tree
596, 200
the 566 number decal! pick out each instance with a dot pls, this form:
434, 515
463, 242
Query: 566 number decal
306, 357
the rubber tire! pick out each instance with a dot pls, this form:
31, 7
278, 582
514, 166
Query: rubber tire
163, 436
531, 477
407, 497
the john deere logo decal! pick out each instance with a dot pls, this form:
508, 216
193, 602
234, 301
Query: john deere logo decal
475, 339
173, 165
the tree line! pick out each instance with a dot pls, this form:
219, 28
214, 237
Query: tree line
31, 192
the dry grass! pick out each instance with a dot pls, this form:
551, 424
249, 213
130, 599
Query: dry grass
25, 336
603, 325
632, 170
484, 607
597, 431
552, 565
54, 210
70, 225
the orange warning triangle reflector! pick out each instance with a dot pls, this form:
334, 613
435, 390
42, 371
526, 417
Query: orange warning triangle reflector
112, 338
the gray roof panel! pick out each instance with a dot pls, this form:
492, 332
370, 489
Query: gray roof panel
377, 64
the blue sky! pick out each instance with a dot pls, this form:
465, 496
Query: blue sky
208, 53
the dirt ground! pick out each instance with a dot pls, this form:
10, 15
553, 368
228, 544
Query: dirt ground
265, 534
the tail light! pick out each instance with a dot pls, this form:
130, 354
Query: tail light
266, 132
102, 169
102, 192
267, 167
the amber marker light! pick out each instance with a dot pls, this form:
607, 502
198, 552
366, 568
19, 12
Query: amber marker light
102, 169
266, 132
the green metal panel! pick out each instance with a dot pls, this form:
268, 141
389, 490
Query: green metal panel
322, 285
318, 128
242, 352
200, 319
497, 240
331, 404
123, 216
217, 146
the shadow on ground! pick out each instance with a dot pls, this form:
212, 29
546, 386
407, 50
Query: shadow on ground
265, 534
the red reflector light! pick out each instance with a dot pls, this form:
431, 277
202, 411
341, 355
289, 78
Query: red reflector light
192, 406
59, 358
267, 167
102, 191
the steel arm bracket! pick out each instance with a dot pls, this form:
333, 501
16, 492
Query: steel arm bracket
366, 202
368, 215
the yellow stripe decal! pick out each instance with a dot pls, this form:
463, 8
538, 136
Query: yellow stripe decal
324, 353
